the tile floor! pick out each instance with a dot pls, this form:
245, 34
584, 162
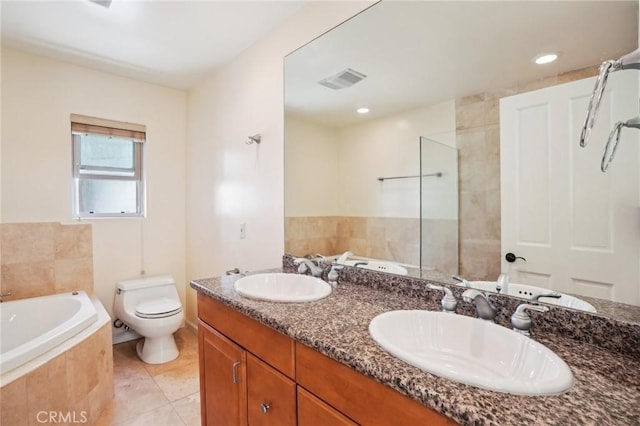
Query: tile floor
159, 395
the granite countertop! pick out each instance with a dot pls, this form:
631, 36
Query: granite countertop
606, 390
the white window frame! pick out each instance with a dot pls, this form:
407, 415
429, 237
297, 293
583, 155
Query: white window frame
90, 125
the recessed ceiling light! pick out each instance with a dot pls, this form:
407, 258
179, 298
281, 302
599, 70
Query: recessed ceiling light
545, 58
362, 110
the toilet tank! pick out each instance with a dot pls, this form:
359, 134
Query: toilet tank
131, 292
146, 283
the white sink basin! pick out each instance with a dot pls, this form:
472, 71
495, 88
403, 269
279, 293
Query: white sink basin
278, 287
374, 265
471, 351
525, 291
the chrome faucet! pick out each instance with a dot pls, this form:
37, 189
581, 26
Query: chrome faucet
448, 302
305, 265
484, 307
502, 283
343, 257
7, 294
462, 280
553, 294
521, 321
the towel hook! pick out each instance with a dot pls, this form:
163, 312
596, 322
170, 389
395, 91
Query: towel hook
254, 139
628, 61
614, 138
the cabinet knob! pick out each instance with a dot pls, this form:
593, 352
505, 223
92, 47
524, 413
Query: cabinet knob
264, 407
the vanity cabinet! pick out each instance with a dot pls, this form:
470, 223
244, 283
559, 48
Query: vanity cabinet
313, 411
271, 396
253, 375
222, 379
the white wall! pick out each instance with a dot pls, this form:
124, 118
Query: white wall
386, 147
312, 181
228, 181
333, 172
38, 96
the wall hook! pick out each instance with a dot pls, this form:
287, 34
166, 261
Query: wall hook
255, 138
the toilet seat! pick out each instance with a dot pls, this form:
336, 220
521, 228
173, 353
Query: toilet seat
161, 307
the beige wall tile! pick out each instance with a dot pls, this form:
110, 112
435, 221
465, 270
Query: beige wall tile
469, 116
13, 403
27, 242
73, 242
82, 369
74, 275
28, 279
46, 390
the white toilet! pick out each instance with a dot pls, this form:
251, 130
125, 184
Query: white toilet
151, 307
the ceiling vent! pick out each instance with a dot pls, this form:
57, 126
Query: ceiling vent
103, 3
343, 79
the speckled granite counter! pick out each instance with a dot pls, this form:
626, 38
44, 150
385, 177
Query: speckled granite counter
607, 378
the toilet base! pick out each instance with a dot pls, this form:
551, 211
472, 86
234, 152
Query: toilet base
157, 350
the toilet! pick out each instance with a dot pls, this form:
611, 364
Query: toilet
151, 307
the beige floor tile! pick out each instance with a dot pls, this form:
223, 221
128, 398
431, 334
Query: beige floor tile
163, 416
188, 408
179, 382
143, 392
137, 397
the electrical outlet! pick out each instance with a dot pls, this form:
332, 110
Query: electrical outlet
243, 231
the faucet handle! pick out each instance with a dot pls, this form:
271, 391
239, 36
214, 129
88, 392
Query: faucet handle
449, 302
461, 280
521, 321
303, 264
333, 275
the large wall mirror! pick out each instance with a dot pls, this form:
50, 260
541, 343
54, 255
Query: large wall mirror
419, 180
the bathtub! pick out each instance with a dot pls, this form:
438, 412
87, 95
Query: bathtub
57, 359
32, 327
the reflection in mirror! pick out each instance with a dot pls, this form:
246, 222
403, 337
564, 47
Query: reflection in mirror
438, 207
439, 70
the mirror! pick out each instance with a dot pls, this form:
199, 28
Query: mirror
433, 70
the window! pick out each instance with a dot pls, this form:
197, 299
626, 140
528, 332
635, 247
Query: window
107, 168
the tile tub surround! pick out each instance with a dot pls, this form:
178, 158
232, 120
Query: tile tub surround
76, 383
607, 373
39, 259
392, 238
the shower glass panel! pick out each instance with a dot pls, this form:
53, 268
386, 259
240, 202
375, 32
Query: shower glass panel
438, 207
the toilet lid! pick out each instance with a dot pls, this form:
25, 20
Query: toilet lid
158, 308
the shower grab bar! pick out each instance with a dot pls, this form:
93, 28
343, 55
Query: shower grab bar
614, 138
628, 61
382, 179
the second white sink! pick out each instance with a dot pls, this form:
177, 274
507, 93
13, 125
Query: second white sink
279, 287
471, 351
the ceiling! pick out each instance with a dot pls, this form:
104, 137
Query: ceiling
172, 43
421, 53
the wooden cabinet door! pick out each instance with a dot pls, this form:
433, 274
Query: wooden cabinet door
271, 395
223, 379
314, 412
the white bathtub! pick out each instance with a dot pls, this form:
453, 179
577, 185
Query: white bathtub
32, 327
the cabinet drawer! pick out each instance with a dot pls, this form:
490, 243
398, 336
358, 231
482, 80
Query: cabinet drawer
314, 412
271, 395
357, 396
272, 347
